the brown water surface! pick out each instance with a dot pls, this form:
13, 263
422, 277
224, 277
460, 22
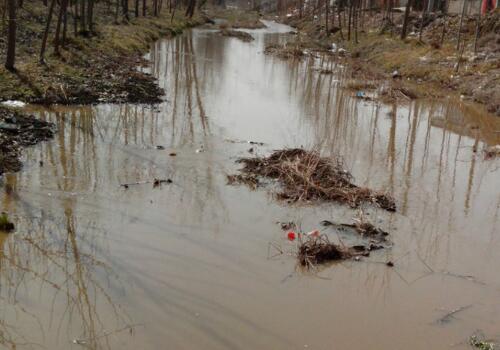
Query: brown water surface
189, 265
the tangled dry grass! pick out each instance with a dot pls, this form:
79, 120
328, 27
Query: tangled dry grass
319, 250
305, 176
243, 36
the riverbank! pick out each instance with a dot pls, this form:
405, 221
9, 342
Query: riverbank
97, 68
420, 67
19, 130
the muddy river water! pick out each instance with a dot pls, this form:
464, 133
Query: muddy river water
195, 264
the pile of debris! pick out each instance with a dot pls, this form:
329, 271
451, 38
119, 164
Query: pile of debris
305, 176
243, 36
315, 248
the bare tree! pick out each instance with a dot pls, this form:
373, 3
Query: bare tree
478, 26
405, 22
459, 36
11, 36
190, 8
90, 15
62, 8
46, 33
83, 26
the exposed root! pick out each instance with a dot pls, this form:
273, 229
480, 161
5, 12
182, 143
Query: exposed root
305, 176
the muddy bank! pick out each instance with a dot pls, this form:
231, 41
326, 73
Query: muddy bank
426, 65
18, 131
97, 67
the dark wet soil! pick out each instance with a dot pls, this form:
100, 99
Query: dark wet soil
18, 131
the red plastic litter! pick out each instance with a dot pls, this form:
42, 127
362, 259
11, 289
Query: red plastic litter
291, 236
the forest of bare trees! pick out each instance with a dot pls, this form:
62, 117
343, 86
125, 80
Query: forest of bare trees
348, 17
78, 18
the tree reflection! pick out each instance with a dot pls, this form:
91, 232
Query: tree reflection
59, 262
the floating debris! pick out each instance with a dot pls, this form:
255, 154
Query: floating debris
5, 224
250, 180
286, 225
477, 343
319, 250
243, 36
304, 176
492, 152
450, 315
159, 182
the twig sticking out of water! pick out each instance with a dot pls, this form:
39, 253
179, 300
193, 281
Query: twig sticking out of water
450, 315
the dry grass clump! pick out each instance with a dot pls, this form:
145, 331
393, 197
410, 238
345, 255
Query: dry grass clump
244, 36
306, 176
285, 51
319, 250
238, 179
248, 24
358, 85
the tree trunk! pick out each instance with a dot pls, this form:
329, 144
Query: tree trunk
327, 4
125, 10
136, 8
478, 26
405, 22
90, 15
11, 41
75, 18
190, 8
173, 11
60, 18
46, 33
144, 8
459, 37
83, 26
117, 12
356, 19
350, 21
340, 22
65, 25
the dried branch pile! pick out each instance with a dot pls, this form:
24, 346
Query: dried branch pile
244, 36
318, 250
305, 176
